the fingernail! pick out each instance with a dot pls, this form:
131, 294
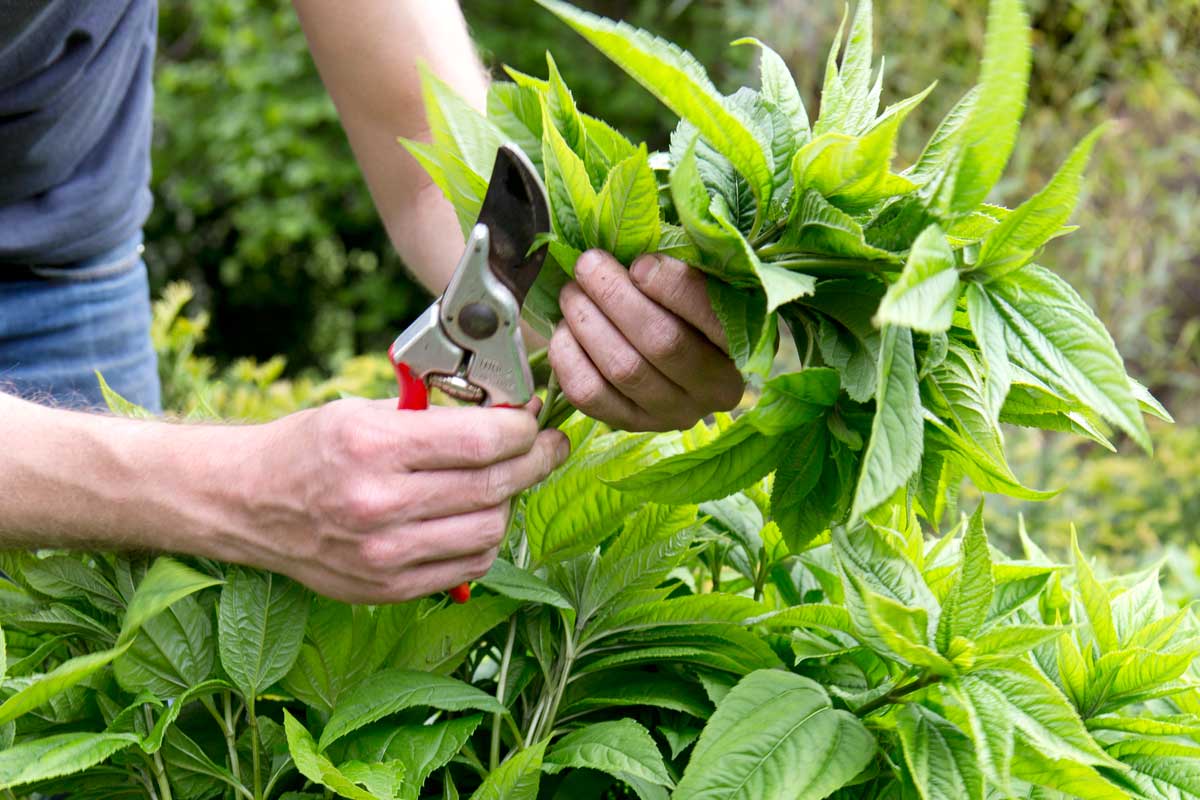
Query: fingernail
643, 269
563, 449
588, 262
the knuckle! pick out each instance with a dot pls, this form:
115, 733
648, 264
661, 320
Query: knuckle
481, 444
360, 506
628, 369
666, 340
496, 485
478, 566
495, 525
584, 392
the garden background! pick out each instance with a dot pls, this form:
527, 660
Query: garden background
261, 209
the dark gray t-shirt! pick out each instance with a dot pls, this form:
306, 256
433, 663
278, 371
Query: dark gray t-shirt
76, 102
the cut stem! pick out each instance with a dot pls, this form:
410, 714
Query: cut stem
901, 691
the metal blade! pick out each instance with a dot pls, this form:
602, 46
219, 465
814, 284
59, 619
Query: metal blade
516, 212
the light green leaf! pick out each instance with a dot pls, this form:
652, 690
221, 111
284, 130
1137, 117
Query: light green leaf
575, 508
679, 82
1138, 607
743, 317
854, 172
164, 583
1019, 702
1063, 775
58, 754
420, 748
627, 215
778, 86
782, 286
988, 327
440, 641
519, 584
46, 687
315, 766
794, 399
118, 404
846, 336
1052, 333
516, 111
871, 556
381, 780
559, 105
517, 778
984, 142
1160, 770
940, 757
70, 578
260, 626
456, 126
894, 451
330, 659
924, 296
941, 149
731, 462
815, 226
573, 201
1015, 241
966, 609
775, 736
896, 629
1096, 601
461, 185
618, 747
392, 690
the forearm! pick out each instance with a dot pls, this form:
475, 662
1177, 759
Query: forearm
75, 480
368, 60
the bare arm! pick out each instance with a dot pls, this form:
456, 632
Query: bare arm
367, 53
355, 499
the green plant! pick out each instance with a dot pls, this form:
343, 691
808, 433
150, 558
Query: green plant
753, 608
921, 319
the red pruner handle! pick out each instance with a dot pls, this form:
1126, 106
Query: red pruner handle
414, 396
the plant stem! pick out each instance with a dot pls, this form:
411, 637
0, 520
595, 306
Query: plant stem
156, 762
901, 691
718, 564
765, 236
546, 724
552, 395
230, 739
501, 685
760, 578
254, 746
538, 356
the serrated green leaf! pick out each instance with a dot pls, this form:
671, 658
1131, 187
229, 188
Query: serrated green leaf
519, 584
1052, 333
627, 209
165, 582
317, 767
58, 754
516, 111
965, 610
174, 651
1015, 241
617, 747
900, 631
576, 508
894, 450
1096, 601
621, 688
420, 748
778, 87
982, 145
69, 578
517, 778
573, 201
794, 399
45, 687
561, 113
815, 226
731, 462
854, 172
1005, 704
1062, 775
925, 294
940, 757
743, 317
804, 499
679, 82
456, 126
118, 404
1159, 770
260, 626
461, 185
393, 690
775, 735
438, 642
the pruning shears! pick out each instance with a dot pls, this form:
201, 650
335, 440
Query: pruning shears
468, 342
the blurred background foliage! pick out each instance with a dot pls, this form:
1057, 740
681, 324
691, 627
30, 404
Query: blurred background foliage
261, 208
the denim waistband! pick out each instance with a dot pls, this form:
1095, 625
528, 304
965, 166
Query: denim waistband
119, 259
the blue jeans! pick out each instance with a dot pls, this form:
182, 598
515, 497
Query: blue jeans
57, 330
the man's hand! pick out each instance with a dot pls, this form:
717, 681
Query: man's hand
643, 349
367, 504
357, 500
